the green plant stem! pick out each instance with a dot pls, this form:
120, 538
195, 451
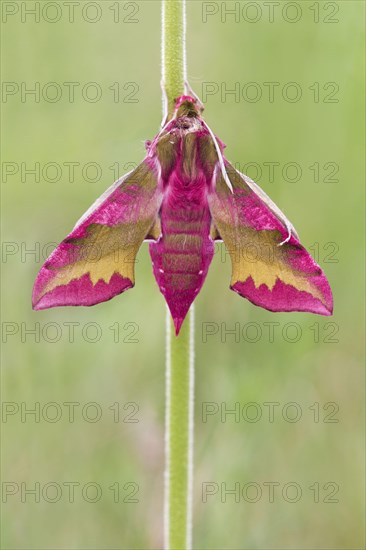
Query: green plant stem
179, 435
180, 349
173, 50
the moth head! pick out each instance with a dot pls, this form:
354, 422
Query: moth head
189, 106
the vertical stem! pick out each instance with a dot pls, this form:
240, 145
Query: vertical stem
180, 349
179, 424
173, 51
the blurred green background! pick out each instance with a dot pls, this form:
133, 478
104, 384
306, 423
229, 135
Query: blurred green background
312, 368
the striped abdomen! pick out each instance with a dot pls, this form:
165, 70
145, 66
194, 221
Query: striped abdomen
182, 255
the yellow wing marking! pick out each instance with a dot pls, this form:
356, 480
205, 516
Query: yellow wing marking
256, 254
104, 251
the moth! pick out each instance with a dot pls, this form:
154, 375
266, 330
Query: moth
182, 198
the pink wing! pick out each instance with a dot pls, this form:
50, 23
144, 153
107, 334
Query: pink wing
96, 260
269, 265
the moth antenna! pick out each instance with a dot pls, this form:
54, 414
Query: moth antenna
165, 103
188, 90
221, 159
289, 229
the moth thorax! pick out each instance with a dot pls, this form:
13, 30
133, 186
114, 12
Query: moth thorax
188, 124
187, 109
